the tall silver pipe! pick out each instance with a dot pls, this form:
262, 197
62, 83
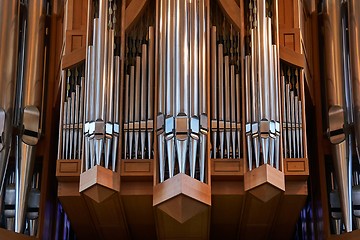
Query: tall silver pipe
116, 113
337, 105
137, 106
9, 22
32, 102
131, 110
248, 119
233, 109
109, 126
255, 96
179, 122
160, 128
354, 51
150, 94
221, 98
143, 96
214, 92
277, 106
227, 105
263, 78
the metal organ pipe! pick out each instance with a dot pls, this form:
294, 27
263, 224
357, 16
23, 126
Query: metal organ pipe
31, 105
9, 22
102, 89
264, 101
338, 109
182, 27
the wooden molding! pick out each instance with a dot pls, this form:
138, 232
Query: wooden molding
99, 183
68, 170
296, 168
292, 57
73, 58
182, 184
232, 11
133, 12
137, 169
222, 168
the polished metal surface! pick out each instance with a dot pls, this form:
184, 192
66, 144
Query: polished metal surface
182, 117
354, 51
9, 22
337, 104
31, 105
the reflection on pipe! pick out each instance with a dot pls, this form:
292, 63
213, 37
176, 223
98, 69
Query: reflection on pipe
102, 79
262, 80
182, 110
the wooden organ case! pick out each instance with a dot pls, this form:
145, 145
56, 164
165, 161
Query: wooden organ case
187, 154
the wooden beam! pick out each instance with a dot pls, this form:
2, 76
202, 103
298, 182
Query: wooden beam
232, 11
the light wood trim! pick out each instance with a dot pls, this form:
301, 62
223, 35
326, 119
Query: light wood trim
182, 184
68, 170
231, 10
292, 57
304, 132
133, 12
227, 167
99, 175
296, 168
137, 168
264, 174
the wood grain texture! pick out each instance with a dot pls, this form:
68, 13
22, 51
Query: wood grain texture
232, 11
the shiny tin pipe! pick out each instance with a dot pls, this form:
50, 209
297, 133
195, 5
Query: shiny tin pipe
354, 51
32, 102
337, 107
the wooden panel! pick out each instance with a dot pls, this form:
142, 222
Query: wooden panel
68, 170
292, 201
76, 25
108, 218
258, 217
73, 204
195, 228
226, 208
227, 168
290, 38
296, 168
137, 169
9, 235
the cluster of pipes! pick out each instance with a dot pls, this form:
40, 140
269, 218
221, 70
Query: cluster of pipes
139, 96
72, 114
225, 92
341, 21
291, 112
22, 60
182, 102
102, 90
262, 94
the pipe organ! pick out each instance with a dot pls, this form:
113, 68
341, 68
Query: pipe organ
179, 118
341, 74
23, 70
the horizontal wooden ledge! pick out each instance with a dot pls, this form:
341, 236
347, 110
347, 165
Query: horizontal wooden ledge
292, 57
296, 168
137, 169
227, 168
74, 58
68, 170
